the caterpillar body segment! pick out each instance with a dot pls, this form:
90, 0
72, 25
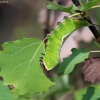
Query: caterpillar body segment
55, 40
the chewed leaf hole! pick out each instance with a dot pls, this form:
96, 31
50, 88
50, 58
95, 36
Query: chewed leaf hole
10, 87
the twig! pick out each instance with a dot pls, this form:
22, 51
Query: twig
92, 28
76, 2
47, 26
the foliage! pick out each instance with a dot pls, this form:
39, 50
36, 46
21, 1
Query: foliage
89, 5
71, 9
20, 60
69, 63
5, 93
89, 93
58, 7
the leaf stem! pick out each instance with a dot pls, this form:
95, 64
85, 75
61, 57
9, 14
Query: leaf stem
94, 51
86, 1
44, 39
95, 6
74, 15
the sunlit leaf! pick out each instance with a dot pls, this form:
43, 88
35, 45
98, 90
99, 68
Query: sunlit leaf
20, 66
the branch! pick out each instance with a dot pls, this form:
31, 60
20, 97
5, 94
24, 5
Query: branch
92, 28
76, 2
47, 26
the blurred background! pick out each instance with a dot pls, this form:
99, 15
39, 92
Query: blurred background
31, 19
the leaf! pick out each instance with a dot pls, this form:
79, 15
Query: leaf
91, 69
89, 93
71, 9
69, 63
5, 93
20, 66
89, 5
54, 6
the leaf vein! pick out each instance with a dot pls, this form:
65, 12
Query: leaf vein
29, 65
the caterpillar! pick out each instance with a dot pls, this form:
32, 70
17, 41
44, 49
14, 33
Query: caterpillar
55, 40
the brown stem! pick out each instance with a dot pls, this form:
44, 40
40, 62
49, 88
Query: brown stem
47, 26
92, 28
76, 2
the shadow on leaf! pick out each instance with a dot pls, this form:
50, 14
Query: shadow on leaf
89, 93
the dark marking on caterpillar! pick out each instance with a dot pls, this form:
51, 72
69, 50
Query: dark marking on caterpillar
52, 29
42, 53
42, 65
58, 23
65, 17
41, 58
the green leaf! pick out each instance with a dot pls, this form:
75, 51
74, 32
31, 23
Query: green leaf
90, 93
89, 5
54, 6
20, 66
5, 93
69, 63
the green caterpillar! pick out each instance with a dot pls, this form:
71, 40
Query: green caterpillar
55, 40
